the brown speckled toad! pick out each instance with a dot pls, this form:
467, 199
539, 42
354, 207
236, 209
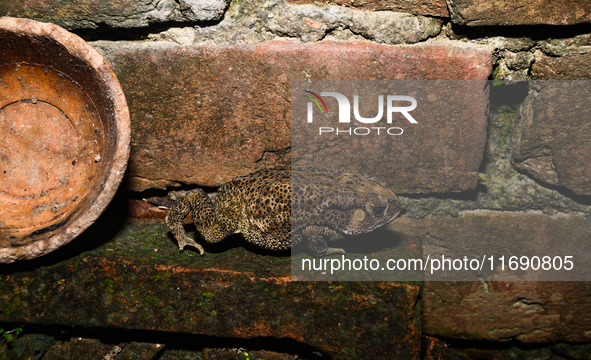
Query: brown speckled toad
322, 206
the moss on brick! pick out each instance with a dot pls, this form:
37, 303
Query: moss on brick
230, 292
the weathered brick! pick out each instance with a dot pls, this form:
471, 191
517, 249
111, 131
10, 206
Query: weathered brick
141, 350
440, 153
568, 67
555, 152
502, 310
84, 347
520, 12
138, 280
205, 114
530, 312
479, 233
431, 7
29, 346
79, 14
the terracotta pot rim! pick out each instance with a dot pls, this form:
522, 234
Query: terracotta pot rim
78, 48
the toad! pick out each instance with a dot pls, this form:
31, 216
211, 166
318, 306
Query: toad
319, 205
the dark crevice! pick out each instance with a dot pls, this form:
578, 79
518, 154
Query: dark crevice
164, 192
526, 301
483, 349
107, 32
469, 195
173, 340
280, 152
533, 32
511, 94
579, 199
481, 188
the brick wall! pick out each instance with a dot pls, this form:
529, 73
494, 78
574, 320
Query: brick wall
208, 86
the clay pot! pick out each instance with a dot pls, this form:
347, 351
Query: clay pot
64, 137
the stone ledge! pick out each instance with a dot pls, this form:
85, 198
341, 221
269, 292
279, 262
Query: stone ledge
138, 280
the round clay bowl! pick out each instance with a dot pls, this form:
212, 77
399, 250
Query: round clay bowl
64, 137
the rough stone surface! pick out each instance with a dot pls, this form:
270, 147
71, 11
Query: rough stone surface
516, 350
200, 10
58, 352
220, 112
231, 354
479, 234
432, 7
568, 67
425, 157
25, 346
530, 312
513, 66
312, 23
80, 343
555, 152
246, 21
520, 12
499, 310
252, 22
501, 187
74, 14
572, 351
140, 350
138, 280
74, 348
63, 346
579, 43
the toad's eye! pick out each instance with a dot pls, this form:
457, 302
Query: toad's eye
379, 210
377, 205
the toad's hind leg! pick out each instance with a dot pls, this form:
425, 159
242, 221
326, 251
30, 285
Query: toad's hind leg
177, 214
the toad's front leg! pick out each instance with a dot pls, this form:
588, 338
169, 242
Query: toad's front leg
316, 238
177, 214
